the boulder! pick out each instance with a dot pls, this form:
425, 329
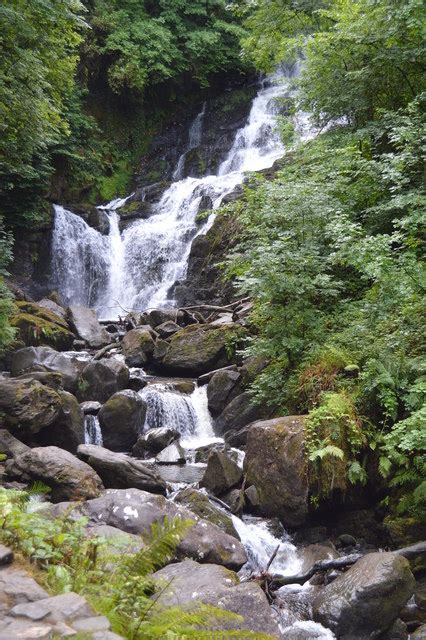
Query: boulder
197, 349
167, 329
38, 326
134, 511
419, 633
85, 323
119, 471
66, 607
198, 502
32, 359
52, 306
101, 378
11, 446
53, 380
237, 437
118, 541
122, 418
173, 454
276, 465
221, 473
17, 587
27, 405
313, 553
206, 377
154, 441
365, 601
156, 317
187, 581
137, 346
202, 453
240, 411
223, 387
67, 432
68, 477
90, 408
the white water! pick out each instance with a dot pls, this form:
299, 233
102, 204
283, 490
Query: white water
92, 430
137, 268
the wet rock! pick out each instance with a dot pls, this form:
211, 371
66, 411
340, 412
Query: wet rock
210, 584
180, 473
221, 473
275, 464
32, 359
240, 412
154, 441
206, 377
223, 387
173, 454
138, 345
202, 453
52, 306
91, 407
121, 419
68, 477
85, 323
27, 405
365, 601
101, 378
237, 438
234, 501
313, 553
167, 329
157, 317
252, 497
306, 630
67, 432
199, 503
119, 471
6, 555
11, 446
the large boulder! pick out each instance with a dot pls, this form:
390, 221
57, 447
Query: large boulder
199, 348
68, 477
137, 346
118, 471
11, 446
85, 323
27, 405
122, 418
52, 306
365, 601
238, 413
223, 387
67, 431
221, 473
181, 584
38, 326
275, 464
134, 511
153, 441
101, 378
198, 502
32, 359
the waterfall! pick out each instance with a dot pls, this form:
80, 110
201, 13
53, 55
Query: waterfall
138, 268
92, 430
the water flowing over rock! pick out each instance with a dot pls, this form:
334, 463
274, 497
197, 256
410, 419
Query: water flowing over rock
92, 430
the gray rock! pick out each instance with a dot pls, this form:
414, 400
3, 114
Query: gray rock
276, 465
11, 446
305, 630
42, 359
91, 407
206, 377
101, 378
313, 553
17, 586
26, 630
154, 441
52, 306
119, 471
122, 418
240, 412
156, 317
223, 387
173, 454
202, 453
198, 502
85, 323
91, 625
365, 601
63, 608
167, 329
221, 473
68, 477
27, 405
118, 541
138, 345
67, 432
419, 633
6, 555
237, 437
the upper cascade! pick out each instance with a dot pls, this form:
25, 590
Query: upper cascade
136, 268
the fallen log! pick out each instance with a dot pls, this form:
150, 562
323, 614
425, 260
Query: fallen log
100, 354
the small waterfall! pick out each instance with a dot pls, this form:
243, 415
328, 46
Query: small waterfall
92, 430
194, 141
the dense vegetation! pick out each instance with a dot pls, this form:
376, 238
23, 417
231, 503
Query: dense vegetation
332, 248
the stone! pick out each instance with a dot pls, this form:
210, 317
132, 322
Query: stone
119, 471
67, 432
91, 407
221, 473
25, 630
27, 405
238, 413
198, 502
90, 625
160, 350
53, 380
419, 633
118, 541
153, 441
365, 601
202, 453
32, 359
122, 418
234, 501
206, 377
197, 349
68, 477
63, 608
137, 346
156, 317
221, 389
237, 437
17, 586
52, 306
276, 465
173, 454
6, 555
38, 326
11, 446
86, 325
100, 379
167, 329
187, 581
306, 630
252, 496
313, 553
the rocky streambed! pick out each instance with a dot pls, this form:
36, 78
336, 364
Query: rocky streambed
133, 421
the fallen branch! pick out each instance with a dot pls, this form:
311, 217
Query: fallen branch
99, 354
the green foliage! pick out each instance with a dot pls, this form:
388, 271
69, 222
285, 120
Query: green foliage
6, 305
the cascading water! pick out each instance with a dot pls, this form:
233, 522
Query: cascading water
92, 430
137, 268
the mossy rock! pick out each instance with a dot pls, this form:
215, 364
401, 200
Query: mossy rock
38, 326
200, 504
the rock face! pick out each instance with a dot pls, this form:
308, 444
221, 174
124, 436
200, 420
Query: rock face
217, 586
222, 388
275, 464
221, 473
154, 441
101, 378
118, 471
67, 431
68, 477
134, 511
33, 359
238, 413
27, 405
137, 346
197, 349
121, 419
85, 323
363, 603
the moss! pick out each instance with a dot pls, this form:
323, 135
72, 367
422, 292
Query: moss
37, 326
